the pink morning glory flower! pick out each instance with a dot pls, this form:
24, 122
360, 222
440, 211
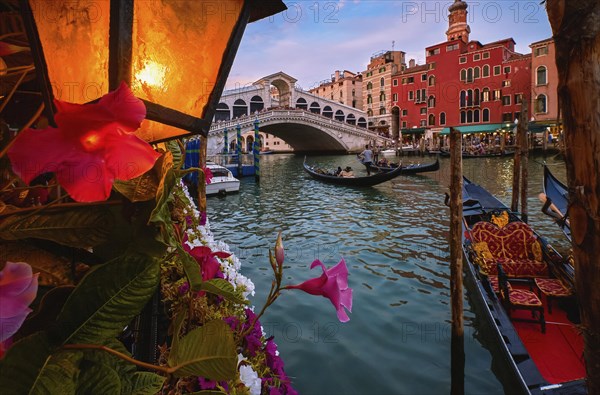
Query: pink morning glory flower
18, 288
332, 284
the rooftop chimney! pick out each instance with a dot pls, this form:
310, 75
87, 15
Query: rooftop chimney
412, 63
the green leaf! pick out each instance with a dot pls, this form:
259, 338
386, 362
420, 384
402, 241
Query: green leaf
161, 215
223, 288
146, 383
191, 268
178, 157
208, 351
98, 379
108, 298
144, 187
59, 375
73, 227
23, 363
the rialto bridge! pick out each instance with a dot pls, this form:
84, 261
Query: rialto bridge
308, 123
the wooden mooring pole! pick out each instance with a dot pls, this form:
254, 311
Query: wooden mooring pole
524, 148
514, 205
457, 365
202, 180
576, 33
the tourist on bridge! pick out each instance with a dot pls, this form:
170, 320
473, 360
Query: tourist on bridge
367, 158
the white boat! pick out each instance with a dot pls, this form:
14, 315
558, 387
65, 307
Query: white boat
223, 182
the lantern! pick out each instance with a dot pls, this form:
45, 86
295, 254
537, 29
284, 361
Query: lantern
174, 54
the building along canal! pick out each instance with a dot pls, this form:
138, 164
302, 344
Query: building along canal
394, 239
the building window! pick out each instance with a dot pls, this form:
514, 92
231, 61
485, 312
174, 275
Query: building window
486, 115
476, 116
462, 59
382, 82
403, 124
404, 113
469, 116
382, 111
476, 97
507, 70
541, 105
369, 85
423, 94
382, 96
497, 70
369, 99
423, 77
485, 95
411, 95
507, 117
431, 80
442, 118
540, 51
395, 97
505, 83
369, 113
469, 75
463, 117
476, 72
486, 55
432, 52
506, 100
497, 94
403, 81
395, 83
382, 70
463, 75
518, 98
469, 98
476, 57
423, 110
410, 80
431, 102
431, 120
541, 76
423, 123
463, 99
431, 66
517, 115
452, 47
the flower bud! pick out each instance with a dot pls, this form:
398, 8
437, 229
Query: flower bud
279, 253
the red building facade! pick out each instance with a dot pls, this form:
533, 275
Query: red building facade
464, 81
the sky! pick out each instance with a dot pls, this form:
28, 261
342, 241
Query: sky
312, 39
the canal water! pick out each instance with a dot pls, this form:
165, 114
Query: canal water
393, 238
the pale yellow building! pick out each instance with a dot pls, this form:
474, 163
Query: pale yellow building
377, 88
344, 87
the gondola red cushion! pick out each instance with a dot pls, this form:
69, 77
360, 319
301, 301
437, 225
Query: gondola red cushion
552, 287
523, 297
515, 246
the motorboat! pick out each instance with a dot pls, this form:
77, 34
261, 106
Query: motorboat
222, 182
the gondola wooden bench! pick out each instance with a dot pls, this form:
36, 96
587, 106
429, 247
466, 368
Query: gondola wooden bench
552, 288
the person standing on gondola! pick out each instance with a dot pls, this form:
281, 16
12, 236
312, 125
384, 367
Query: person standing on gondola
367, 158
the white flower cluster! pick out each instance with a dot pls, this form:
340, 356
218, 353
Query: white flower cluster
249, 377
202, 236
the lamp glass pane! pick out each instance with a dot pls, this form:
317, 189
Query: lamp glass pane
74, 38
178, 48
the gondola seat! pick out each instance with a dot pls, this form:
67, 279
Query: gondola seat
515, 246
520, 299
552, 288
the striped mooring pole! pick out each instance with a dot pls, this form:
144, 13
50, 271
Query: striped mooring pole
255, 152
238, 149
225, 142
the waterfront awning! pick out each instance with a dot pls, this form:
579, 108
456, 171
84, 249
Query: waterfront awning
483, 128
413, 131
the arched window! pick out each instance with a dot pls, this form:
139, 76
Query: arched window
442, 118
431, 101
485, 95
222, 113
256, 104
382, 81
476, 72
431, 120
302, 104
431, 80
239, 108
315, 108
476, 116
362, 122
339, 115
351, 119
541, 76
476, 97
369, 85
369, 113
469, 97
541, 105
463, 75
463, 99
463, 117
486, 71
369, 99
382, 96
327, 112
469, 74
486, 115
382, 111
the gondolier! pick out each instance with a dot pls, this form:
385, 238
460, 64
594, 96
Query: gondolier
367, 158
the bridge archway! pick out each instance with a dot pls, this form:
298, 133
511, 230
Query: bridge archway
339, 115
240, 108
223, 113
362, 122
315, 108
327, 112
351, 119
285, 92
256, 104
301, 103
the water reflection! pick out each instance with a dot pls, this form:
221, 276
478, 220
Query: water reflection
394, 238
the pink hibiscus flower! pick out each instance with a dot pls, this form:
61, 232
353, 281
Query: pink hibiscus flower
208, 175
18, 288
206, 258
92, 146
332, 284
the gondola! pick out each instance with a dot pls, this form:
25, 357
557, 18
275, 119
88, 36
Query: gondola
467, 155
556, 201
367, 181
534, 323
411, 169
